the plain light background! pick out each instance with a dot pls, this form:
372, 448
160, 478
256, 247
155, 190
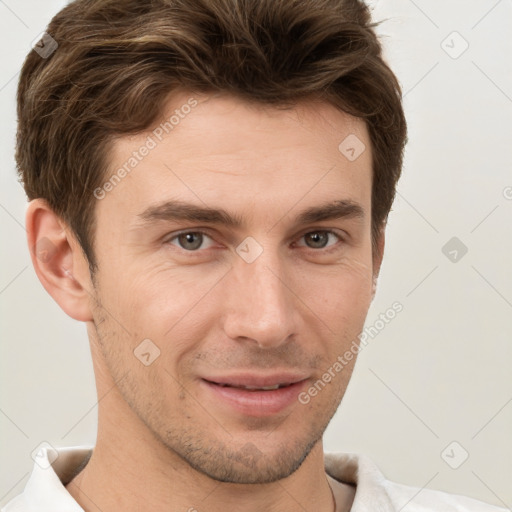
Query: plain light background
439, 372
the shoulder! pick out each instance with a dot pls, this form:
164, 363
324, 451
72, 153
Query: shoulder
375, 492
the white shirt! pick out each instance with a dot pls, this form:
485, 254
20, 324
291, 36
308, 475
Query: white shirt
45, 491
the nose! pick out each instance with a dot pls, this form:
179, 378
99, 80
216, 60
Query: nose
260, 305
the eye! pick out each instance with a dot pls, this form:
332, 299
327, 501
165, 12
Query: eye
189, 240
320, 238
192, 241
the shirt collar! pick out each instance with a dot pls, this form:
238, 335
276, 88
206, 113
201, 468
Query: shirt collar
53, 469
361, 471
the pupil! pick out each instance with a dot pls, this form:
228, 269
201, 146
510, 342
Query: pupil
188, 238
316, 236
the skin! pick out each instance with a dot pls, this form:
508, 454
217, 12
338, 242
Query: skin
163, 442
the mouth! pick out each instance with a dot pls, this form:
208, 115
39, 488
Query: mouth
252, 388
255, 396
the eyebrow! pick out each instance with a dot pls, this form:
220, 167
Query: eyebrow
177, 210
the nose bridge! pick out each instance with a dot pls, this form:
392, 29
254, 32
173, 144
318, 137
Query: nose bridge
260, 305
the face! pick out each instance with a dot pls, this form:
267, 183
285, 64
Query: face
251, 293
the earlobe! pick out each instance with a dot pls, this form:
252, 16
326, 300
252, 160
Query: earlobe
58, 260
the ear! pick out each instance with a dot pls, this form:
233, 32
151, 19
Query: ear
58, 260
378, 256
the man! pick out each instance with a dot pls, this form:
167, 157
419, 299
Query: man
209, 185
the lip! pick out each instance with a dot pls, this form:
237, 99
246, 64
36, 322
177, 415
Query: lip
255, 380
255, 403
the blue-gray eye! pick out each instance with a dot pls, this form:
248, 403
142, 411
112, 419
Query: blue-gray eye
319, 239
189, 240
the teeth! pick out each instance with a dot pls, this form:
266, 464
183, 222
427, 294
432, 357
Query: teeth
253, 388
265, 388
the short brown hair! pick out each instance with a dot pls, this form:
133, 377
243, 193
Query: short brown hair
117, 61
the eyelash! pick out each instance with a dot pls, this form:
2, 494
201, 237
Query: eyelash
320, 250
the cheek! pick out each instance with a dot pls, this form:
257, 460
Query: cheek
168, 307
341, 291
139, 293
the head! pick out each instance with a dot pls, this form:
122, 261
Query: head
266, 116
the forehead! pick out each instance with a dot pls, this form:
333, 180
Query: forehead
215, 150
